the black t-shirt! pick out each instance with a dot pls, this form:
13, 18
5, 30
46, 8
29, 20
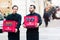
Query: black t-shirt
39, 21
16, 17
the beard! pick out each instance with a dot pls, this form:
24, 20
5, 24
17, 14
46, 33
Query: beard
31, 12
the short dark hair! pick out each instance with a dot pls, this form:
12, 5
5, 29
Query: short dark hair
33, 6
14, 6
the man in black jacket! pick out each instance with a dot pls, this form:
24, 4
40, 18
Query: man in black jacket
32, 33
16, 17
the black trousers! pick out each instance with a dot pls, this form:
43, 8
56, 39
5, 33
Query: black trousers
53, 15
32, 35
1, 31
46, 22
14, 36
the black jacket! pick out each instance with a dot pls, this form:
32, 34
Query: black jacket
49, 13
16, 17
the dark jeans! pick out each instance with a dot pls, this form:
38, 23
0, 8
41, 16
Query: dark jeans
14, 36
46, 22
